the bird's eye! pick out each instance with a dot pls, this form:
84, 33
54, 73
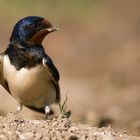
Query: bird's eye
32, 26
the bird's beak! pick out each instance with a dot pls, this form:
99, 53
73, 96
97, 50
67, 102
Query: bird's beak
52, 29
40, 35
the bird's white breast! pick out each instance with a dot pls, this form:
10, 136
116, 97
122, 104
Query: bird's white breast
32, 87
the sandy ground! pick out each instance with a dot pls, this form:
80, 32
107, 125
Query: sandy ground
14, 127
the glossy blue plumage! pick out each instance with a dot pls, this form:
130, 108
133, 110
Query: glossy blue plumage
25, 29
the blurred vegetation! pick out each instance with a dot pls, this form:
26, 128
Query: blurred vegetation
52, 8
57, 11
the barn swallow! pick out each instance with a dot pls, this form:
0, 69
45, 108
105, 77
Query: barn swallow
26, 71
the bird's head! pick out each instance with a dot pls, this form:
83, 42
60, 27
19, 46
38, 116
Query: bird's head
31, 30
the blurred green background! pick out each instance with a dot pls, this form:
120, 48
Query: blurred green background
97, 51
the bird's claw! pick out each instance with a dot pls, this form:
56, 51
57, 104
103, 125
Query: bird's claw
19, 108
47, 110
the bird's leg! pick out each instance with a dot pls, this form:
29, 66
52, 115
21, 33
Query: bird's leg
47, 109
19, 107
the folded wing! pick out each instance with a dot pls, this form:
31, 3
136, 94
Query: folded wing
54, 74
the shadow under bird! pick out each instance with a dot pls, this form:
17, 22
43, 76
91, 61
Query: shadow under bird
26, 71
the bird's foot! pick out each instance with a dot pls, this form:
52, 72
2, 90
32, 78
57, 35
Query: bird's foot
47, 110
19, 108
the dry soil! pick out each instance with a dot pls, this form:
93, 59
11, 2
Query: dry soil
14, 127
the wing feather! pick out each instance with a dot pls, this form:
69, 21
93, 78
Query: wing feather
54, 74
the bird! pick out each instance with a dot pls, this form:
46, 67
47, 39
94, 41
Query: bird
26, 70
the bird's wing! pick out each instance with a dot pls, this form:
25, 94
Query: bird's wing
3, 82
54, 74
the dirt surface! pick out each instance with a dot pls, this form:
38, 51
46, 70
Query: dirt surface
14, 127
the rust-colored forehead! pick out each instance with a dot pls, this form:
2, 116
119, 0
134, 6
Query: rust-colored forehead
46, 22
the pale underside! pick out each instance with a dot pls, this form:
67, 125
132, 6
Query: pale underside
31, 87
